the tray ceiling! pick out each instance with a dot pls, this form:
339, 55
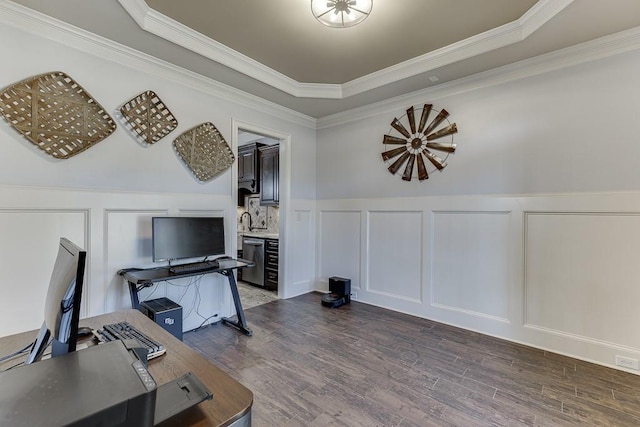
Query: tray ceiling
277, 51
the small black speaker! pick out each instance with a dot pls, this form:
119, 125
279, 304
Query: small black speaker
165, 313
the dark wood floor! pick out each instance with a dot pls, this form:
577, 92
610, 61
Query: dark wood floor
364, 366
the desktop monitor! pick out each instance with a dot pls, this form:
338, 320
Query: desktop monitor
186, 237
62, 306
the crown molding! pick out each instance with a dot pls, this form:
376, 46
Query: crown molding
39, 24
31, 21
162, 26
602, 48
169, 29
541, 13
496, 38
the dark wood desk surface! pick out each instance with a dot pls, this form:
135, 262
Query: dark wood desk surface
231, 400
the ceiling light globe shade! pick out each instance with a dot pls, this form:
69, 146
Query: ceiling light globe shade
341, 13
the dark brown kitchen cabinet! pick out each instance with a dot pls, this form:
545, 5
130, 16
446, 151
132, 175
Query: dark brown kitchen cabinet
248, 167
271, 264
248, 170
269, 175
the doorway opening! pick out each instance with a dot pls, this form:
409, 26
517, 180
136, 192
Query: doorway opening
261, 184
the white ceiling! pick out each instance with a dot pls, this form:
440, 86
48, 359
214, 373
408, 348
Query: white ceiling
277, 51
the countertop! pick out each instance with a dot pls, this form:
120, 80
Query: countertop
258, 234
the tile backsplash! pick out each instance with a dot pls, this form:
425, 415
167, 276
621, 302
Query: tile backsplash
263, 218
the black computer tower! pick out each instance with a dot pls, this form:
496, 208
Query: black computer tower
165, 313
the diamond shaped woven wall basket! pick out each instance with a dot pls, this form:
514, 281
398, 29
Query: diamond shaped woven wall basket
56, 114
149, 117
204, 151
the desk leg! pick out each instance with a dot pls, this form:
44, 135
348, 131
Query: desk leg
241, 324
133, 293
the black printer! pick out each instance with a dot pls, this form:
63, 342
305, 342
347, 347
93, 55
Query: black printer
105, 385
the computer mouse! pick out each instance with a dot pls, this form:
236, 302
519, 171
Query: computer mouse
84, 331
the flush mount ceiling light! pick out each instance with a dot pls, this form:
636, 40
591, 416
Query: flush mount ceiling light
341, 13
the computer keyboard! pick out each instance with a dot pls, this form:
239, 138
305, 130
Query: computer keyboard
123, 331
195, 266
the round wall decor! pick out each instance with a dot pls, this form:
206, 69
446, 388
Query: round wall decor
412, 146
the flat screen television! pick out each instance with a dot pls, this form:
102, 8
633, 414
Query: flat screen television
176, 238
62, 306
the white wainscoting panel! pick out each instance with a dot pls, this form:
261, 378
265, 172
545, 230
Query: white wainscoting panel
395, 254
115, 229
201, 212
339, 253
582, 275
27, 255
127, 242
303, 258
558, 272
470, 262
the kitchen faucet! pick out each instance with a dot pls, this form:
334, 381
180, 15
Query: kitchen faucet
246, 213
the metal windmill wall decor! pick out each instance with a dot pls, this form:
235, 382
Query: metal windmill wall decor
413, 145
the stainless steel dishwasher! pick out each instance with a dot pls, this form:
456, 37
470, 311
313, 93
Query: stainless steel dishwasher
253, 250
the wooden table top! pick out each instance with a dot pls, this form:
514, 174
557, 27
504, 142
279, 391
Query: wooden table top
231, 400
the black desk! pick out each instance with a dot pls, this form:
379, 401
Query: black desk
139, 278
